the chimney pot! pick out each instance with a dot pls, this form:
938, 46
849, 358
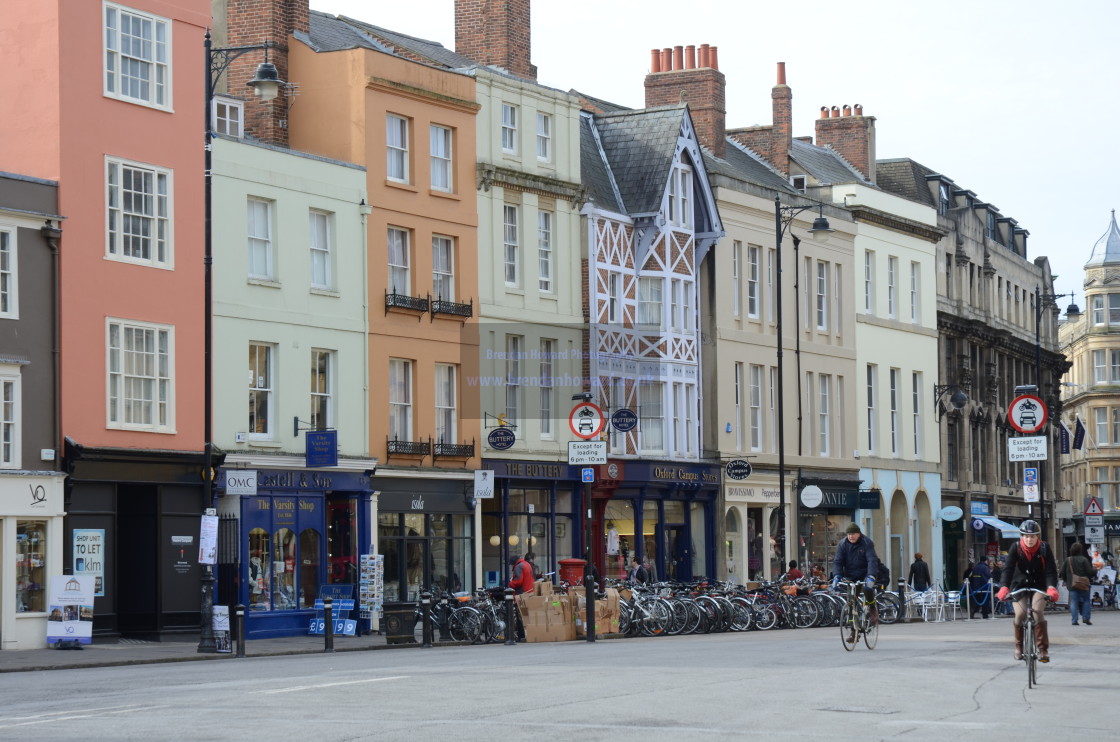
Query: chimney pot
655, 61
824, 112
847, 110
703, 61
836, 112
678, 57
859, 110
690, 57
666, 59
781, 73
713, 58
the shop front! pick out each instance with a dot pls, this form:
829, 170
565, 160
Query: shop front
534, 511
31, 537
662, 513
824, 513
425, 531
285, 534
750, 529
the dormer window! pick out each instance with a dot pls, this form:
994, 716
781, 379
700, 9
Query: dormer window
945, 199
228, 113
992, 230
799, 182
680, 196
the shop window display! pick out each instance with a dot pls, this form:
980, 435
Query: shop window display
309, 568
31, 567
284, 570
260, 573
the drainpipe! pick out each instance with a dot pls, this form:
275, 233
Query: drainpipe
52, 235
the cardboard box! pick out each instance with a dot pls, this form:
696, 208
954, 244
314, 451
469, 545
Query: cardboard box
543, 588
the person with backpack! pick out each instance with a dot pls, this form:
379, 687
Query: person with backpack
1030, 564
856, 560
978, 589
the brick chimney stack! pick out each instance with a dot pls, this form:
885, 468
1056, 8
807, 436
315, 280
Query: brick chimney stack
691, 75
496, 33
254, 22
851, 134
772, 142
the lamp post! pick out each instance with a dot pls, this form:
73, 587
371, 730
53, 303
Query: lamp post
1040, 297
266, 85
783, 218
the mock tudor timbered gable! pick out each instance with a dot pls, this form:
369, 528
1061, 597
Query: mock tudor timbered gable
651, 217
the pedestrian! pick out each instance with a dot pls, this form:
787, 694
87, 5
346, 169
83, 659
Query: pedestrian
856, 560
918, 578
1030, 564
978, 591
1078, 566
794, 573
521, 580
638, 573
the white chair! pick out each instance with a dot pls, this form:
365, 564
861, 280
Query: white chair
951, 605
928, 602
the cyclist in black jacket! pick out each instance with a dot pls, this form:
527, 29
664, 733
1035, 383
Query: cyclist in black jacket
1030, 563
856, 561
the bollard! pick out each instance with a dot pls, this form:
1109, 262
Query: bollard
511, 628
902, 600
426, 618
590, 587
328, 625
239, 627
444, 618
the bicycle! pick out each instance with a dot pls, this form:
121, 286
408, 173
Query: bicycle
855, 618
1030, 647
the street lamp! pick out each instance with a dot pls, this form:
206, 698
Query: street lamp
783, 218
959, 399
266, 86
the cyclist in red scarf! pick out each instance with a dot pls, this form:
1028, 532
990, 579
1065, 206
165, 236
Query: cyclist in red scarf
1030, 563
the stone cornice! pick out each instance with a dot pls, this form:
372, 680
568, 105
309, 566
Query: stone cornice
392, 87
896, 223
515, 180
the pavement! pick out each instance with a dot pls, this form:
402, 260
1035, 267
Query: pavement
139, 652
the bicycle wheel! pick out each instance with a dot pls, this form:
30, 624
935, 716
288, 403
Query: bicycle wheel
465, 625
624, 613
890, 607
657, 618
679, 613
1030, 652
848, 629
870, 629
804, 612
765, 617
695, 618
743, 614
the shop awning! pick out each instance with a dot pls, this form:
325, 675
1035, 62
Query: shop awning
1006, 530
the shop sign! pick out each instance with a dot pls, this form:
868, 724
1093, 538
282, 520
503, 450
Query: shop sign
528, 469
683, 474
484, 484
321, 448
241, 481
70, 617
501, 439
624, 420
89, 557
869, 499
980, 508
738, 469
750, 494
839, 499
180, 544
951, 512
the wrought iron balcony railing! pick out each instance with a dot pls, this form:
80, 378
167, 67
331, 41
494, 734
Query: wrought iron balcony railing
454, 450
439, 306
409, 448
404, 301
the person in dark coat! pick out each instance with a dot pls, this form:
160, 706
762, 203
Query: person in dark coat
979, 594
1078, 564
918, 578
856, 561
638, 573
1030, 564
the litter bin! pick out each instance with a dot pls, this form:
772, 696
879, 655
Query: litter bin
398, 622
571, 570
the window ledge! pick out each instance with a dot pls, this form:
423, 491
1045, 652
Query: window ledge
266, 282
401, 186
451, 195
516, 290
258, 443
334, 293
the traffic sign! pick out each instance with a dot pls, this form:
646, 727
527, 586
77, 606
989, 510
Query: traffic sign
1030, 475
1094, 534
586, 420
587, 475
1030, 493
1094, 520
1026, 448
587, 453
1027, 414
1093, 507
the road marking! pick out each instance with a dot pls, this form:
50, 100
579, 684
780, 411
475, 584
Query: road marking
327, 685
71, 715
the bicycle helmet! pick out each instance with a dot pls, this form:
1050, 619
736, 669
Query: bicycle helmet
1029, 528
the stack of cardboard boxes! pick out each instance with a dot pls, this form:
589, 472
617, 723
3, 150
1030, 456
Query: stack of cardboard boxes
554, 617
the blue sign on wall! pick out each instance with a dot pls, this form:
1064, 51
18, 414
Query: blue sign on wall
322, 448
624, 420
501, 439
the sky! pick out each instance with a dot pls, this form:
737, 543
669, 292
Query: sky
1015, 100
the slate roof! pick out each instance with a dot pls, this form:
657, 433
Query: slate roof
595, 171
906, 178
603, 105
742, 164
430, 51
824, 164
329, 34
639, 146
1107, 249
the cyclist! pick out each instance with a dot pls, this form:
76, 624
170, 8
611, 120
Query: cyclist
1030, 563
856, 561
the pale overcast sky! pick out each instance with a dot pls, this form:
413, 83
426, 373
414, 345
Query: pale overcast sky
1015, 100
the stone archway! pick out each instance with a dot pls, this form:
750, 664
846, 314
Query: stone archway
897, 552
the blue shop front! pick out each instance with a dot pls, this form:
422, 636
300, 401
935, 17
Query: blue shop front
285, 534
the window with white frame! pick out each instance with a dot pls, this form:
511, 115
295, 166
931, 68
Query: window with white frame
259, 213
140, 376
547, 386
650, 299
515, 354
443, 268
756, 407
137, 57
262, 399
689, 419
651, 418
915, 293
322, 389
9, 274
822, 295
510, 115
614, 282
916, 411
739, 396
1102, 316
9, 417
228, 116
689, 324
675, 299
319, 223
400, 399
680, 196
1098, 309
511, 245
396, 148
892, 287
838, 294
1100, 425
400, 278
868, 282
752, 280
1114, 366
872, 369
736, 277
824, 412
677, 399
442, 173
544, 251
1100, 367
1115, 425
544, 137
139, 213
445, 404
896, 391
